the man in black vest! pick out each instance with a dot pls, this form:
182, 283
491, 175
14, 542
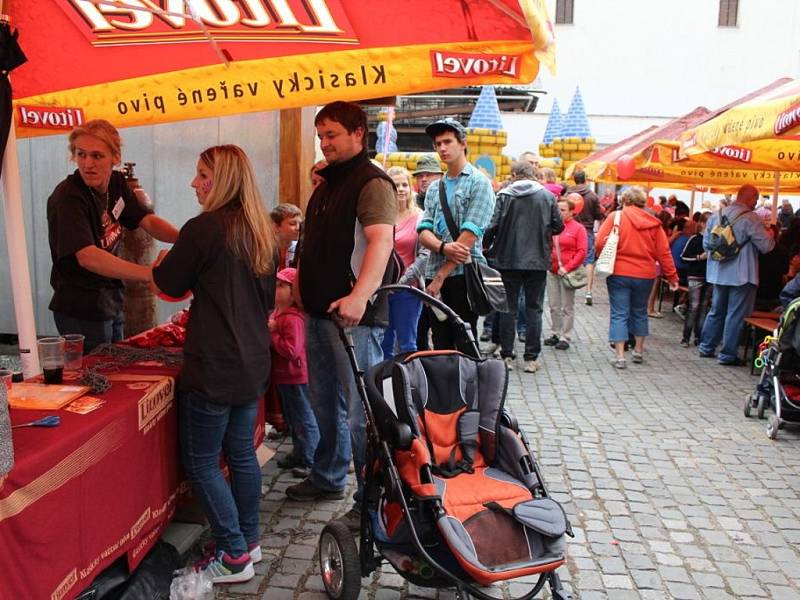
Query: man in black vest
343, 258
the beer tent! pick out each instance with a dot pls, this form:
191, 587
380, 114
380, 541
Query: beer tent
144, 62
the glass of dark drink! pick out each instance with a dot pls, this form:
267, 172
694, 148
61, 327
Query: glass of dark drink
51, 357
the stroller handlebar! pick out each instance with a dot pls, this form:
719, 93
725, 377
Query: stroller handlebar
434, 303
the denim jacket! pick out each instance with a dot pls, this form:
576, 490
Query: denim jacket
472, 206
752, 237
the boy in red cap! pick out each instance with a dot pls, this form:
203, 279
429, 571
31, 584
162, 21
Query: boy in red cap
290, 375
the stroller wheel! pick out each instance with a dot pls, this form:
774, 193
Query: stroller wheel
773, 425
762, 404
748, 404
339, 564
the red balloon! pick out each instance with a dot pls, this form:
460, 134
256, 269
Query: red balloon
626, 166
578, 206
166, 298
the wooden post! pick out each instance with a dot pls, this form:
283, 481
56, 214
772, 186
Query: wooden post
297, 139
776, 190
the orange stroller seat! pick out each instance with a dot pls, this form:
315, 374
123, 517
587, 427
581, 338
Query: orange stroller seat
468, 457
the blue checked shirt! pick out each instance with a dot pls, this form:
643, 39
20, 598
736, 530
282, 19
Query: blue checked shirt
472, 205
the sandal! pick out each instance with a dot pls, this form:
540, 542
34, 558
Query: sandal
618, 363
637, 358
655, 315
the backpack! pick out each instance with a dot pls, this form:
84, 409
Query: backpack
722, 244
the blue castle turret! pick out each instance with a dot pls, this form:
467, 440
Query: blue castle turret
486, 114
575, 123
555, 124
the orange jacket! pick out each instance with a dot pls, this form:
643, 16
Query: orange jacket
642, 242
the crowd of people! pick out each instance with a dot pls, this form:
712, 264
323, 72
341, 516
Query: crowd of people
271, 290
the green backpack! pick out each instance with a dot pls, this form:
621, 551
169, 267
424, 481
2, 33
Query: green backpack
722, 244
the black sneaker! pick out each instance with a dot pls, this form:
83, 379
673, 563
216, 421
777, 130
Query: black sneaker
522, 336
305, 490
486, 336
588, 299
290, 461
352, 518
736, 362
551, 341
685, 343
301, 472
562, 345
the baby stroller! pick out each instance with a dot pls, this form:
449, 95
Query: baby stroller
779, 385
453, 497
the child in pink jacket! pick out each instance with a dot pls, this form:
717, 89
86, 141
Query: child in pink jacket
290, 375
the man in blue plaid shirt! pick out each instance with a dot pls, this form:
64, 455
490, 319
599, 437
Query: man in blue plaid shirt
471, 201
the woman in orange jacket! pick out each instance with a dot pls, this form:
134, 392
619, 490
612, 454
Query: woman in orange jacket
642, 242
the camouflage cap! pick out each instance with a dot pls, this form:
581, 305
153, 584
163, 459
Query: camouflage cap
429, 163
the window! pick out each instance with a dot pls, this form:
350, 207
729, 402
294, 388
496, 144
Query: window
728, 11
564, 10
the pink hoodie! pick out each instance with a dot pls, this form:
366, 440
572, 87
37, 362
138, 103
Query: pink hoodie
289, 363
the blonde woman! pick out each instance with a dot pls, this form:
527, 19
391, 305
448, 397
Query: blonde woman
404, 307
226, 256
85, 216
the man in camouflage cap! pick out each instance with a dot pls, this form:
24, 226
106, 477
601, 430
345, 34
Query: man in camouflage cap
428, 170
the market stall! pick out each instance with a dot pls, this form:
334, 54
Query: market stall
103, 483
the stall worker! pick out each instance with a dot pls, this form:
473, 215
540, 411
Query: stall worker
85, 216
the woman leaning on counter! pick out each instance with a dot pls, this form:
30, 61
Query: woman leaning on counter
227, 257
85, 216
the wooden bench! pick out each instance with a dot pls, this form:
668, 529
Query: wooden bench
754, 324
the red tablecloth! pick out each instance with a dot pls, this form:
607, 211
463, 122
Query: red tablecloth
98, 486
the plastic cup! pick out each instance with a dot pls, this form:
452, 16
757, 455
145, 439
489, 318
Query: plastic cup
5, 378
51, 357
73, 351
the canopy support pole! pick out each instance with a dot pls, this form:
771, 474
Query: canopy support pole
297, 135
18, 258
691, 202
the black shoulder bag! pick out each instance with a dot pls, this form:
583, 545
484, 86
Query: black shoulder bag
485, 290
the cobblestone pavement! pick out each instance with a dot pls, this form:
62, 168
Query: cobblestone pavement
671, 491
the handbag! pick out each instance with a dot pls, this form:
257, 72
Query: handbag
605, 262
485, 289
575, 279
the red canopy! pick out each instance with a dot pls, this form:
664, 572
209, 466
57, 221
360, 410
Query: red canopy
143, 62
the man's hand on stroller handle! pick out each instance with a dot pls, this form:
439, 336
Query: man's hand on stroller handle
348, 311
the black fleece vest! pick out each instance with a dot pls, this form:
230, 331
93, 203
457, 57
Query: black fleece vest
328, 240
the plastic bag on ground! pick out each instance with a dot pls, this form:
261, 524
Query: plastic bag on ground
189, 584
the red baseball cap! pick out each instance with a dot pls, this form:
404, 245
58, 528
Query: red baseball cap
287, 275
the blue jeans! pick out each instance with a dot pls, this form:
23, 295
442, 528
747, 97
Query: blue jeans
302, 422
404, 310
335, 401
730, 304
95, 332
205, 429
533, 284
627, 298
